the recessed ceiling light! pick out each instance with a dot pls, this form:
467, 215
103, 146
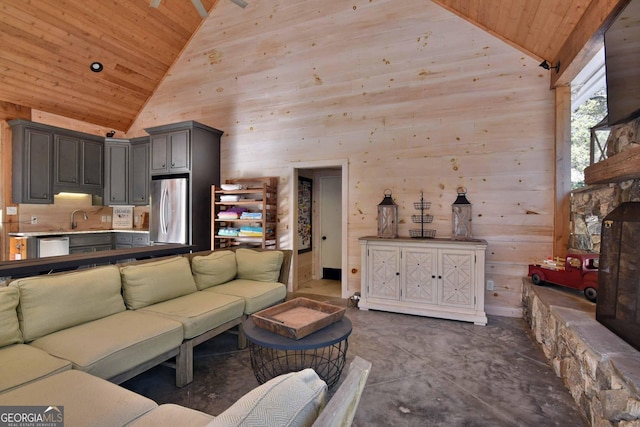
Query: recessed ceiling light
96, 67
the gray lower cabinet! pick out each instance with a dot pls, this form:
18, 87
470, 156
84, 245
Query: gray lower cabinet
90, 242
131, 240
127, 171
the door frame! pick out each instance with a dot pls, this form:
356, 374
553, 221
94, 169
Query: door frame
293, 218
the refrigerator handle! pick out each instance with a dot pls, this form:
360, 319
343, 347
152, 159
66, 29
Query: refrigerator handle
163, 206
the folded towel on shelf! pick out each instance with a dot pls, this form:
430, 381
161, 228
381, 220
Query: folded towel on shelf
232, 187
229, 198
252, 229
228, 215
227, 231
251, 215
249, 234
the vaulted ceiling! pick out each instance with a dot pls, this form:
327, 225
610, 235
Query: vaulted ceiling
47, 46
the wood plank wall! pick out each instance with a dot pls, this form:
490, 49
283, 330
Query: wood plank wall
415, 97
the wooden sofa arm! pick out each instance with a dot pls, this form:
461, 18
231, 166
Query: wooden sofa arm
342, 407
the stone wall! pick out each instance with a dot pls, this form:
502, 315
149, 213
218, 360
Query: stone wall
590, 204
601, 371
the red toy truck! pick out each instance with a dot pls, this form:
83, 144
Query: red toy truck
577, 271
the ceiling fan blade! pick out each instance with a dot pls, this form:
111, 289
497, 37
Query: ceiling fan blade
155, 3
201, 10
241, 3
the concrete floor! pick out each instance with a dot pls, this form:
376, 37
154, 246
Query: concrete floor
426, 372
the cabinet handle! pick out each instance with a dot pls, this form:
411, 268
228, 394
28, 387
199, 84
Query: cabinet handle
397, 273
172, 164
433, 276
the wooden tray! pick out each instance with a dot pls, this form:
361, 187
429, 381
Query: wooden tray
298, 317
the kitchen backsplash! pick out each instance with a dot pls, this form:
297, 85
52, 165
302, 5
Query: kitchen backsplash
57, 216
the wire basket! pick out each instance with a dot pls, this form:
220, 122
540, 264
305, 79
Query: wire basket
424, 219
423, 234
422, 205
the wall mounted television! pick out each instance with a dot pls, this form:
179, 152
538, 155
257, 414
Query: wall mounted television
622, 62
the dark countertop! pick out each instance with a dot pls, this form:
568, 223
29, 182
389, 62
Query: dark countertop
35, 266
66, 233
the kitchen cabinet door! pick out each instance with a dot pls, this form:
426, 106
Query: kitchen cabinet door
139, 172
32, 161
66, 161
117, 173
92, 164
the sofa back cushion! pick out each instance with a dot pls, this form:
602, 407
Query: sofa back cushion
262, 266
153, 282
292, 400
214, 269
9, 326
50, 303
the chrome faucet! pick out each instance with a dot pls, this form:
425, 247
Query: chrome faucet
74, 224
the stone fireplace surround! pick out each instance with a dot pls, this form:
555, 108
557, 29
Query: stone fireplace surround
601, 371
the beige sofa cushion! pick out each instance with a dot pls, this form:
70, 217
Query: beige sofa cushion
87, 400
115, 344
199, 312
257, 295
171, 415
51, 303
22, 364
294, 399
214, 269
9, 326
157, 281
263, 266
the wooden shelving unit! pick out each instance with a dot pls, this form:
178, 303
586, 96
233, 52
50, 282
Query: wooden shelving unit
259, 196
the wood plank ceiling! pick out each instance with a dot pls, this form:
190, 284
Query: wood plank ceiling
46, 47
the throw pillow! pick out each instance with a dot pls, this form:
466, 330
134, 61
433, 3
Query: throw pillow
214, 269
294, 400
157, 281
262, 266
10, 331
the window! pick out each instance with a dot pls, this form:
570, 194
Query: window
588, 112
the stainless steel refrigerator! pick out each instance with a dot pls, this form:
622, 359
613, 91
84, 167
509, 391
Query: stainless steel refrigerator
169, 213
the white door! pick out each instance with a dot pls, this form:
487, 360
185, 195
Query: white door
331, 222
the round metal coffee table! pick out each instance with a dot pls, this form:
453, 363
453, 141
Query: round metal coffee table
325, 351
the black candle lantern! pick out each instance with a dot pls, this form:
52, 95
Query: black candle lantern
461, 216
387, 217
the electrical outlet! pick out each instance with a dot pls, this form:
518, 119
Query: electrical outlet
34, 219
490, 285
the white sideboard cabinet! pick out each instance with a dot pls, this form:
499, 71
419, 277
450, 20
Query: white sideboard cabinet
428, 277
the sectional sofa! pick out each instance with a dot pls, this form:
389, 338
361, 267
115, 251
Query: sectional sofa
117, 321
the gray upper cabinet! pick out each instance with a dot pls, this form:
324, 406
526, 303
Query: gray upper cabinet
78, 163
32, 149
170, 152
117, 172
48, 160
139, 171
127, 172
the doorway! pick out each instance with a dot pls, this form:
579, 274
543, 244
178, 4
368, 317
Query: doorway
321, 270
